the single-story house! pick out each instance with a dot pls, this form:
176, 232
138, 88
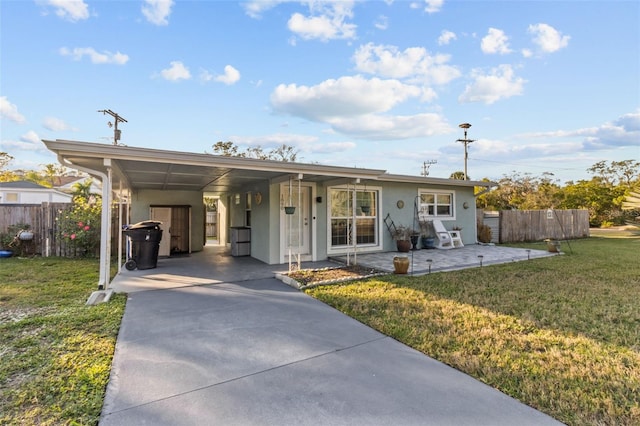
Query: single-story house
337, 209
25, 192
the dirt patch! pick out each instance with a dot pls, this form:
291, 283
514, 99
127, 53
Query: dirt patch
307, 277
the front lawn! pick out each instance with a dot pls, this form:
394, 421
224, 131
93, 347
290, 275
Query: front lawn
561, 334
55, 352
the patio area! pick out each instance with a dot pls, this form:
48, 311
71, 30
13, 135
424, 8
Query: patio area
435, 260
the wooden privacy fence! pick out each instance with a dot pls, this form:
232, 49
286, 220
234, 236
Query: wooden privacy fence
43, 222
537, 225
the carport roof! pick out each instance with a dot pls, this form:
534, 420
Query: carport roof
145, 168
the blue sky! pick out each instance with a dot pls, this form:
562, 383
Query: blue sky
548, 86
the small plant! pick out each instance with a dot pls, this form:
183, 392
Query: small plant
402, 233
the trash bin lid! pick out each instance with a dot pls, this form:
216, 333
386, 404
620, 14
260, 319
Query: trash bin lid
147, 224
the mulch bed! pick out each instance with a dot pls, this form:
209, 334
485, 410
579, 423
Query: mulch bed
307, 277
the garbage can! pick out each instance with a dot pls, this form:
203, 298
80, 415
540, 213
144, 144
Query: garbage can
144, 239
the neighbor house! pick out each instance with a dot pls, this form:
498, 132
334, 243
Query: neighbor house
338, 210
25, 192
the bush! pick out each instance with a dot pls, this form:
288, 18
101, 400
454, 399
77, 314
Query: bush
484, 233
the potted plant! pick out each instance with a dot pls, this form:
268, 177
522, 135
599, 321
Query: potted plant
414, 239
402, 236
427, 239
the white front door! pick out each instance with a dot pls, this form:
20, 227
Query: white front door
297, 226
163, 214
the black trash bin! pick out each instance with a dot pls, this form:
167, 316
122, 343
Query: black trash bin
144, 238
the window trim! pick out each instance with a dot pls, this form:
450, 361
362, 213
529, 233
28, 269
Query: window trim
378, 245
435, 192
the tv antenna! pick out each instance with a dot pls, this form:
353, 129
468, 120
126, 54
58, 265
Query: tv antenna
116, 119
425, 167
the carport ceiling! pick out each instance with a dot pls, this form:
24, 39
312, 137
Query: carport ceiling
142, 168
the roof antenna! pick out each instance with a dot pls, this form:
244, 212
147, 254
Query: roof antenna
117, 119
426, 165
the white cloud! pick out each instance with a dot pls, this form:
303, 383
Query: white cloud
33, 138
499, 83
10, 111
105, 57
495, 42
176, 72
527, 53
344, 97
355, 106
331, 147
445, 37
547, 38
55, 124
382, 23
302, 142
70, 10
413, 62
157, 11
230, 76
430, 6
327, 21
255, 8
382, 127
30, 141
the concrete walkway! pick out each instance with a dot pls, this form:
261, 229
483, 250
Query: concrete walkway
197, 347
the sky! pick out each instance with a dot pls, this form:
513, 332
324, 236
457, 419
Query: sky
547, 86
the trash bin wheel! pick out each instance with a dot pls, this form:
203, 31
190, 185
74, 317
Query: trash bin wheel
130, 265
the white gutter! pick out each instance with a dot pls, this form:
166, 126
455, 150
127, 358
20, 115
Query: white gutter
105, 228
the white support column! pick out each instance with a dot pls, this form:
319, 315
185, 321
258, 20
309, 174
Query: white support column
105, 229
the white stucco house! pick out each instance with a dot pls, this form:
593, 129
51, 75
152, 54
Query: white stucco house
331, 215
25, 192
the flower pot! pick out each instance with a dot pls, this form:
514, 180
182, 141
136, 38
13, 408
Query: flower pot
414, 242
290, 209
553, 246
403, 245
400, 264
428, 242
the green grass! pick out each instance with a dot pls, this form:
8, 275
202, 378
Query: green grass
56, 352
561, 334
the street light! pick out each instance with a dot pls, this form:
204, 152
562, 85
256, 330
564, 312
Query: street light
466, 142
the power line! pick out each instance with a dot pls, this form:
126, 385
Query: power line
117, 119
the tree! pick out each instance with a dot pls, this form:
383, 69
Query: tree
625, 172
6, 175
457, 176
283, 153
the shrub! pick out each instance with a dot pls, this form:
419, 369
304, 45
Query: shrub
484, 233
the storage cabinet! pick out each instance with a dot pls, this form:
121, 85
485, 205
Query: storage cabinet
240, 241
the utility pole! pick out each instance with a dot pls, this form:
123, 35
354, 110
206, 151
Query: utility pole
425, 167
117, 119
466, 142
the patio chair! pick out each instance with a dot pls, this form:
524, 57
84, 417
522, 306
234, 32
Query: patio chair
446, 239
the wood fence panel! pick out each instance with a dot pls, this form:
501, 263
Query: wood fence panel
537, 225
44, 222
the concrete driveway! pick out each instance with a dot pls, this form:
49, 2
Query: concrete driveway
257, 352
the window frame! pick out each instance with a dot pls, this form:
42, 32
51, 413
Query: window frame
424, 207
359, 216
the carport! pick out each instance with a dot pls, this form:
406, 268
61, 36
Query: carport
125, 172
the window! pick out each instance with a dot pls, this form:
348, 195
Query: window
347, 207
11, 197
436, 204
